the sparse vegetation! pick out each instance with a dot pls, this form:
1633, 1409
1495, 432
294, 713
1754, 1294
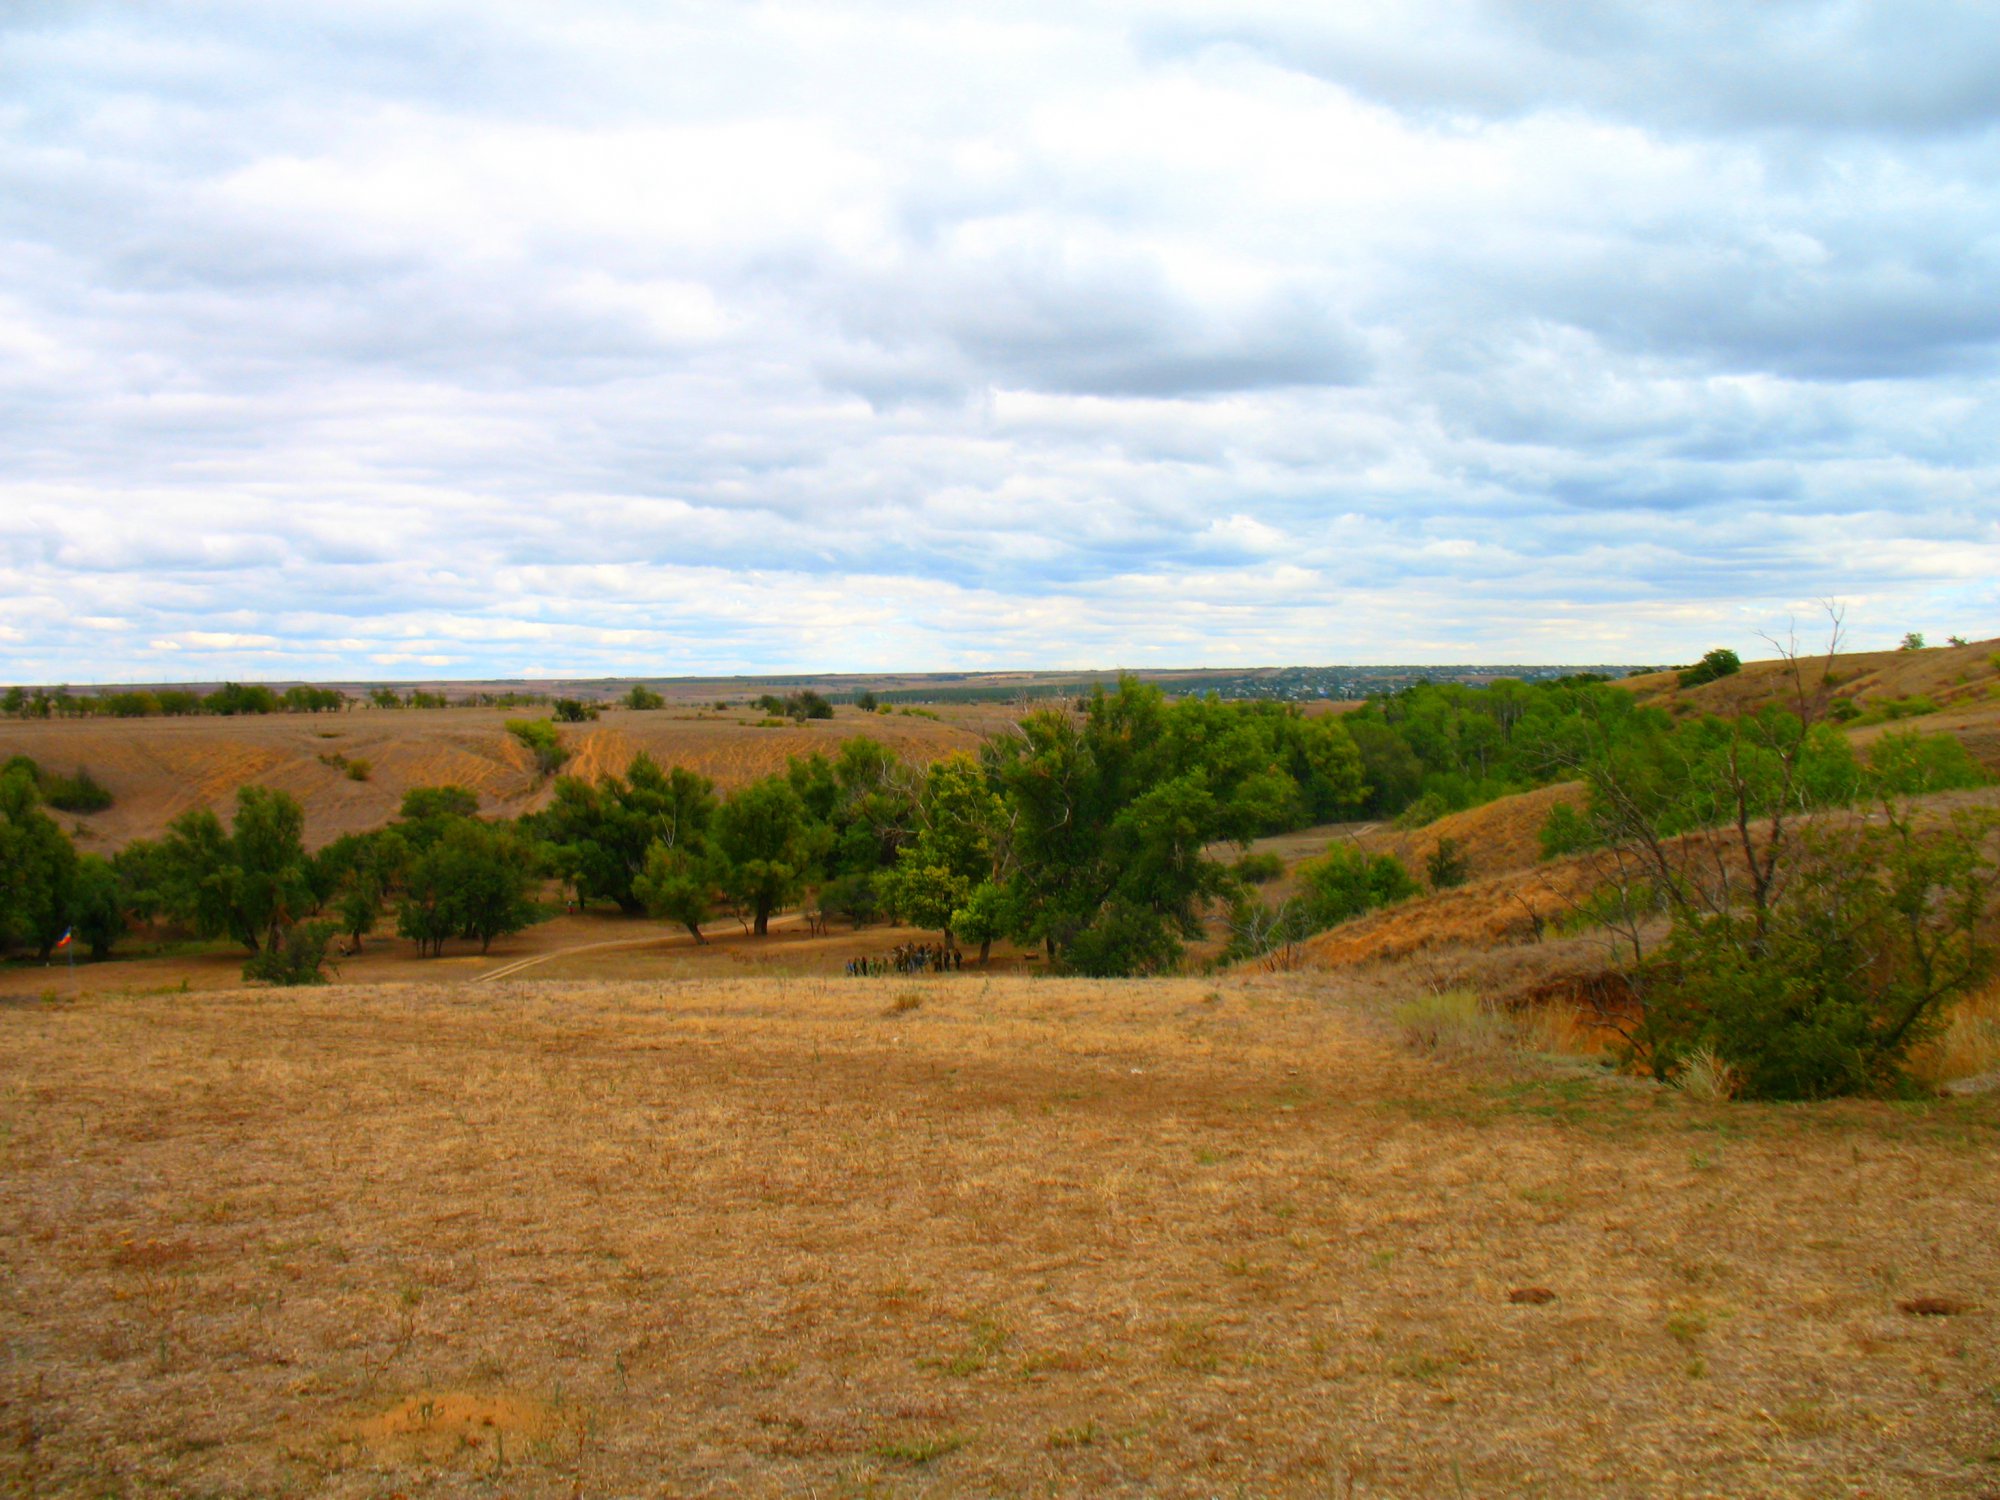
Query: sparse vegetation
542, 741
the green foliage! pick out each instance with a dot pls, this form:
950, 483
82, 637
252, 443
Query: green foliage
96, 912
1124, 939
1889, 710
79, 792
851, 898
867, 702
602, 832
359, 908
1721, 662
764, 838
1914, 641
38, 867
1908, 764
985, 916
312, 700
573, 711
542, 742
1347, 881
247, 884
421, 803
472, 883
234, 698
1826, 991
643, 698
1447, 865
297, 956
1258, 869
678, 884
1567, 830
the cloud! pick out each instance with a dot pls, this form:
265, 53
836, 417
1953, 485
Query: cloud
344, 339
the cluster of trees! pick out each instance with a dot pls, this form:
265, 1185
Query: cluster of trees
1087, 835
803, 705
229, 699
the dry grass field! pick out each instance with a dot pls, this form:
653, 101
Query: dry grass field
957, 1236
157, 769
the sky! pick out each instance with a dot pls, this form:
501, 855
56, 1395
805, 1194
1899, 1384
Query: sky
470, 338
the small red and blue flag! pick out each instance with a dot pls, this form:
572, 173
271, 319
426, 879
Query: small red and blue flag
63, 941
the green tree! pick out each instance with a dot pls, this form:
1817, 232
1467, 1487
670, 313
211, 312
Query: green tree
95, 910
603, 831
762, 835
473, 883
1721, 662
38, 867
247, 884
643, 698
678, 885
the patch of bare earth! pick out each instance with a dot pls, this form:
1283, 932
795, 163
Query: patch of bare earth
825, 1236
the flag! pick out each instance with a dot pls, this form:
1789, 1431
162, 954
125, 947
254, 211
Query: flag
63, 941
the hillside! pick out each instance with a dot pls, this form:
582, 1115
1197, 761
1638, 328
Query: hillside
157, 769
1962, 681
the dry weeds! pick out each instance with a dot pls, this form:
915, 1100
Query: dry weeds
1174, 1237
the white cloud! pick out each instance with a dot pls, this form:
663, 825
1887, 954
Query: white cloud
848, 336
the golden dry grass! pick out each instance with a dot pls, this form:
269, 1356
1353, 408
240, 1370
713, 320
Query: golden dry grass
159, 768
784, 1237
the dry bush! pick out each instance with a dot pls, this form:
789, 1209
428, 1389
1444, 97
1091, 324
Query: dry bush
1968, 1046
1455, 1023
1706, 1077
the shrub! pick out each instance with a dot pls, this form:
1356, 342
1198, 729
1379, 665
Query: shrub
543, 742
298, 956
1124, 940
643, 698
1907, 764
1828, 990
359, 770
1914, 641
77, 793
1721, 662
867, 703
1450, 1021
573, 711
1447, 865
1566, 830
851, 898
1259, 868
1347, 881
1426, 809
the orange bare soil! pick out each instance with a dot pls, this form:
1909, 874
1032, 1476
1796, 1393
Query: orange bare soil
777, 1236
157, 769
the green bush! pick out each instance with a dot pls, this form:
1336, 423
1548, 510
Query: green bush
542, 741
643, 698
298, 956
1826, 991
1259, 868
79, 792
1721, 662
1447, 865
1346, 881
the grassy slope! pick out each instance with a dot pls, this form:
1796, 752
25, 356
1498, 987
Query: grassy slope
159, 768
1173, 1237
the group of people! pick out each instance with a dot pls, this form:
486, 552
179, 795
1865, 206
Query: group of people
909, 958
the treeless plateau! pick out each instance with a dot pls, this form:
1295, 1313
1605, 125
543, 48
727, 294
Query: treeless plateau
957, 1236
